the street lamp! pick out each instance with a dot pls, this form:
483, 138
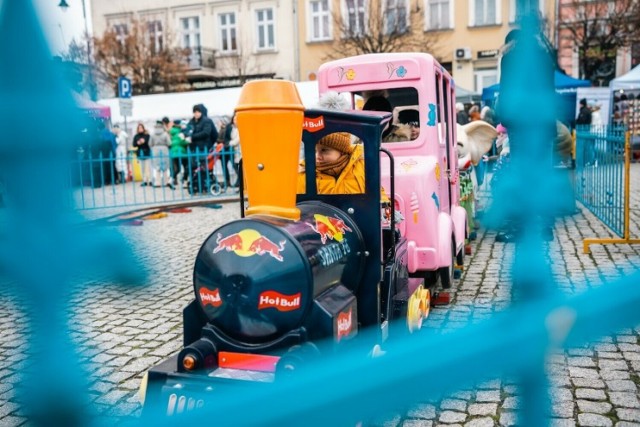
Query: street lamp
92, 88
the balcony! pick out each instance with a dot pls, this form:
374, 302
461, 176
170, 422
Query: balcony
201, 57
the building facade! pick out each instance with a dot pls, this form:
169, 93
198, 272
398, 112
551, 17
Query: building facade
468, 34
584, 28
234, 40
231, 41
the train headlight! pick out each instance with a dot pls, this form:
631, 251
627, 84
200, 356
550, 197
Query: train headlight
189, 362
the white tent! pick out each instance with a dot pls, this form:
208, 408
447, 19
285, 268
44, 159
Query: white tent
631, 80
179, 105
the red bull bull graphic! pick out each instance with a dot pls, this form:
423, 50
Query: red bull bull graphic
344, 324
281, 302
329, 227
249, 242
210, 297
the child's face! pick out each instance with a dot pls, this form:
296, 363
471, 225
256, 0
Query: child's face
326, 154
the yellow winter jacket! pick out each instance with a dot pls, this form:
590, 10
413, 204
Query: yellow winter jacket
350, 181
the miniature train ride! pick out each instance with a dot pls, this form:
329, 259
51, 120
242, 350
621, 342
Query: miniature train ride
299, 275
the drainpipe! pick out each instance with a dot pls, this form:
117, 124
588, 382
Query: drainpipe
296, 43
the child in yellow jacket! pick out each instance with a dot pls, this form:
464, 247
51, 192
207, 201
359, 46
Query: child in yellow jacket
339, 166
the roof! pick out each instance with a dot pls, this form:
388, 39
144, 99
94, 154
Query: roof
631, 80
178, 105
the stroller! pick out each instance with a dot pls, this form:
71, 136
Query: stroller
203, 179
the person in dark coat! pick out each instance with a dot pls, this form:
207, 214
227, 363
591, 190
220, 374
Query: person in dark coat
203, 136
584, 115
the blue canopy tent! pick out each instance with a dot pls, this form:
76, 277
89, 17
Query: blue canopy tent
566, 88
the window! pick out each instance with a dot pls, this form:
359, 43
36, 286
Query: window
485, 78
155, 36
121, 32
438, 14
355, 17
396, 16
484, 12
319, 20
190, 31
228, 41
264, 20
519, 7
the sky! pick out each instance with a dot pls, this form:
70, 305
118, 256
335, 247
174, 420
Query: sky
62, 27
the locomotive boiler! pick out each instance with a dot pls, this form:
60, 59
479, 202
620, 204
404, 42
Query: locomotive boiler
265, 283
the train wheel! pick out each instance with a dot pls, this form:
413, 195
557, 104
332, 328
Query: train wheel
415, 312
446, 273
425, 300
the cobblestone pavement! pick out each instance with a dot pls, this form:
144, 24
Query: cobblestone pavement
122, 331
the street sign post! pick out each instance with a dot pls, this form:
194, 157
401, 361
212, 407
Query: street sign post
124, 87
126, 103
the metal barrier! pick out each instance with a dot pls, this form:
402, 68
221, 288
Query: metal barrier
106, 182
603, 156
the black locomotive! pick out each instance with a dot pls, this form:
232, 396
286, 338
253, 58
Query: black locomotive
300, 275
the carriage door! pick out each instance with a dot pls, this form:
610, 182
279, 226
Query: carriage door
444, 147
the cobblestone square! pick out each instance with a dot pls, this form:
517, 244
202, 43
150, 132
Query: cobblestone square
122, 331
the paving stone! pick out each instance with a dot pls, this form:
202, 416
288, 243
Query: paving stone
483, 409
587, 383
481, 422
624, 399
508, 419
594, 420
417, 423
422, 410
621, 385
488, 396
628, 414
593, 407
562, 422
454, 404
452, 417
590, 393
563, 409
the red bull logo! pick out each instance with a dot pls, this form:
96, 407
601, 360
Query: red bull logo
313, 125
210, 297
345, 324
328, 227
249, 242
281, 302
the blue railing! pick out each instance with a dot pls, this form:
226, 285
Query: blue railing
40, 253
599, 177
108, 182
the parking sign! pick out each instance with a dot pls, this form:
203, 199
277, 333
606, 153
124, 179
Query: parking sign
124, 87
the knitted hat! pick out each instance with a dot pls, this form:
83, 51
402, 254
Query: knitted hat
409, 116
340, 141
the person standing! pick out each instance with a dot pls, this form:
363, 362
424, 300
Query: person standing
584, 115
141, 144
178, 151
121, 154
462, 118
203, 136
159, 143
227, 155
234, 143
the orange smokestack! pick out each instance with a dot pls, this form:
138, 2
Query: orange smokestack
269, 116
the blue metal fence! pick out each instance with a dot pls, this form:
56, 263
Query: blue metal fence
337, 391
107, 182
599, 177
